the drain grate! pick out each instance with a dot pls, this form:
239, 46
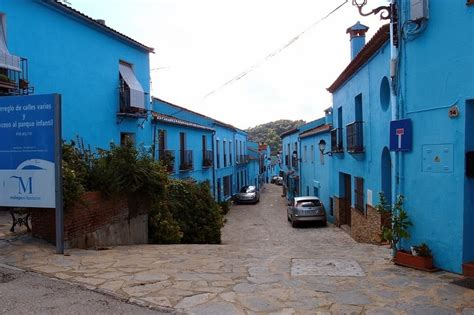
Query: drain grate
6, 277
465, 283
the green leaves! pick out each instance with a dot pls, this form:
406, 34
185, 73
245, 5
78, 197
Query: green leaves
399, 224
269, 133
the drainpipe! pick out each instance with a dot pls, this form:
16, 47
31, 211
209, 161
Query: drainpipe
395, 156
214, 164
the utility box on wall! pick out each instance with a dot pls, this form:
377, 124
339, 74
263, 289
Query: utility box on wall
419, 10
438, 158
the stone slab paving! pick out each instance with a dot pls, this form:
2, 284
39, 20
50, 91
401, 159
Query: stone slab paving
264, 266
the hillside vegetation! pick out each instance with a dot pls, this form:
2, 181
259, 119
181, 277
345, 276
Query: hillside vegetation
270, 132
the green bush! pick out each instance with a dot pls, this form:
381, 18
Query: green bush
225, 207
75, 174
163, 228
125, 171
195, 210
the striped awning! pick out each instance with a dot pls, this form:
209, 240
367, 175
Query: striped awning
7, 60
137, 94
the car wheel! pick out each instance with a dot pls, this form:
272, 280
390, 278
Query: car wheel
293, 223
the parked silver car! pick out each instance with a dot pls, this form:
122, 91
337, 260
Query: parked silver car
247, 194
304, 209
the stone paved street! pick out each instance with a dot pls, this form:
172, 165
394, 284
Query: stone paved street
263, 266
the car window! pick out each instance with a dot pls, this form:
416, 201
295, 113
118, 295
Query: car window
308, 203
247, 189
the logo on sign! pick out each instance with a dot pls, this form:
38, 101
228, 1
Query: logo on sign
24, 186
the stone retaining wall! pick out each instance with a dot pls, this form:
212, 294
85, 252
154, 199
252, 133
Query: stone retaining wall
366, 227
95, 222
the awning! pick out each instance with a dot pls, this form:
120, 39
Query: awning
137, 94
7, 60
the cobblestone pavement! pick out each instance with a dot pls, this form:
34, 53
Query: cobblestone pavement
263, 267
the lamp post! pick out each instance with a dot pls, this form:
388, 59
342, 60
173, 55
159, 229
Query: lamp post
322, 148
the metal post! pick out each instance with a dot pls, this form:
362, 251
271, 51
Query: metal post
58, 176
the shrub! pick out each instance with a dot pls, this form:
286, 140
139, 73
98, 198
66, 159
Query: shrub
195, 210
75, 174
225, 207
423, 250
163, 228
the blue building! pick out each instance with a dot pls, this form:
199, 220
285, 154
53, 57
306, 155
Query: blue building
102, 74
226, 148
185, 147
291, 158
399, 129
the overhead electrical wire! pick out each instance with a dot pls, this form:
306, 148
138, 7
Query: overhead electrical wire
275, 52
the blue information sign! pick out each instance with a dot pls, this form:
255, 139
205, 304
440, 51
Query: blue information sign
401, 135
28, 147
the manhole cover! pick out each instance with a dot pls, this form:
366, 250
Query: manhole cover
326, 267
465, 283
6, 277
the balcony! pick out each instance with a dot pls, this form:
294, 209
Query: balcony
207, 159
14, 80
186, 163
294, 163
336, 141
355, 137
167, 158
287, 160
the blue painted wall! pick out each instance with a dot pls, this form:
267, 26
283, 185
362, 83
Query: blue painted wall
193, 142
70, 57
316, 179
436, 73
236, 166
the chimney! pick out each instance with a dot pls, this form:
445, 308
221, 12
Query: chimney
357, 33
100, 21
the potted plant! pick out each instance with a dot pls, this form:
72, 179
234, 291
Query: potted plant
396, 229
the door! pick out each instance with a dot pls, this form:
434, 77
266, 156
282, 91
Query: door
347, 199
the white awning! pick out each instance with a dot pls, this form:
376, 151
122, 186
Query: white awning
7, 60
137, 94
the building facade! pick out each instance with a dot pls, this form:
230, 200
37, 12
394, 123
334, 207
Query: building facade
102, 75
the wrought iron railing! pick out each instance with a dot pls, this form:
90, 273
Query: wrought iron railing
167, 157
207, 159
355, 137
336, 140
186, 160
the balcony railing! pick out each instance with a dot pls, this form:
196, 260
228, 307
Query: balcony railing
336, 140
207, 159
167, 157
294, 163
287, 160
14, 82
125, 108
186, 160
355, 137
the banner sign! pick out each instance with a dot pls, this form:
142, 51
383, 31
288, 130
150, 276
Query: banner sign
29, 144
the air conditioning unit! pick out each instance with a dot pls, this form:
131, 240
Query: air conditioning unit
419, 10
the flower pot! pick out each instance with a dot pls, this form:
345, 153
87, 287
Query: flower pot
417, 262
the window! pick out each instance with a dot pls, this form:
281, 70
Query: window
224, 145
308, 203
132, 95
305, 152
127, 138
227, 186
247, 189
312, 153
359, 193
230, 153
385, 94
186, 156
218, 157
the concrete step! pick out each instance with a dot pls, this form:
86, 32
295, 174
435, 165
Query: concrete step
468, 269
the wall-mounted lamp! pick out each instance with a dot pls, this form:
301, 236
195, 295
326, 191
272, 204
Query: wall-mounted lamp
322, 148
385, 11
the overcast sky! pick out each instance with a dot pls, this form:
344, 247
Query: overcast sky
202, 44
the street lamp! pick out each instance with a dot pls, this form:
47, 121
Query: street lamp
385, 11
322, 146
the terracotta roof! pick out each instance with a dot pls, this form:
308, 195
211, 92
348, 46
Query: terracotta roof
377, 41
289, 132
176, 121
69, 10
199, 114
315, 131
